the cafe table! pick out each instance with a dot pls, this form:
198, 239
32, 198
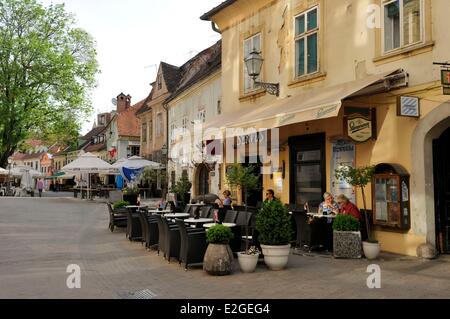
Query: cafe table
177, 215
156, 211
229, 225
321, 215
199, 221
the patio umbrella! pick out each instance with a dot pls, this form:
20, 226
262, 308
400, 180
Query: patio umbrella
3, 171
137, 162
88, 164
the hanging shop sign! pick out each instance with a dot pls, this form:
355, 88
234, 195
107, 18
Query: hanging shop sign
359, 129
408, 106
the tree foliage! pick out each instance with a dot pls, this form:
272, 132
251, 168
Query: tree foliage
242, 177
47, 71
358, 177
182, 187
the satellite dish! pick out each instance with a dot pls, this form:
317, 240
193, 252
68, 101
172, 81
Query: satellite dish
114, 101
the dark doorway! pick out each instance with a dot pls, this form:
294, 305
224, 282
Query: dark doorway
203, 180
441, 156
308, 170
255, 196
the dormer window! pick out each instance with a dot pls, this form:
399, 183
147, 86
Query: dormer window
159, 82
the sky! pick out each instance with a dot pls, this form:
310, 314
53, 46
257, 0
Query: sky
133, 36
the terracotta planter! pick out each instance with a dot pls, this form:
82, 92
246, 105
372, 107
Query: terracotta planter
347, 244
248, 262
218, 260
371, 251
276, 257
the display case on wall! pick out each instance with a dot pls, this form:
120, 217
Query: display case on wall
391, 197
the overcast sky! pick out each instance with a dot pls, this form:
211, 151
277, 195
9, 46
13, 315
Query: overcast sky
133, 36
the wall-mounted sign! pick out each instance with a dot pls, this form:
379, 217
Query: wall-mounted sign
343, 154
408, 106
445, 77
359, 129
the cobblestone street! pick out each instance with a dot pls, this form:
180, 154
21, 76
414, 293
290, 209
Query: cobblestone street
41, 237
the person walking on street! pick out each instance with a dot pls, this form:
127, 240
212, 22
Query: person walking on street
40, 187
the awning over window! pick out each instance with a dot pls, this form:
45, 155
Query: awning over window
313, 104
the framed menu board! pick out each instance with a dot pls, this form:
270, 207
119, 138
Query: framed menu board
391, 196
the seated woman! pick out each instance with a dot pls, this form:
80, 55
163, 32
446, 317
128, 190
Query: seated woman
329, 206
348, 208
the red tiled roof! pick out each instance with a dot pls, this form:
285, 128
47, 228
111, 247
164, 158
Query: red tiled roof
127, 121
95, 147
24, 156
94, 132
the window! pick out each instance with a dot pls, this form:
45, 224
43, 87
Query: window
201, 116
252, 44
159, 80
306, 42
133, 151
402, 23
159, 125
173, 127
150, 130
219, 107
184, 124
144, 132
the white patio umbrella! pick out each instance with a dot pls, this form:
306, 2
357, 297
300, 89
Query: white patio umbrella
137, 162
3, 171
88, 164
18, 171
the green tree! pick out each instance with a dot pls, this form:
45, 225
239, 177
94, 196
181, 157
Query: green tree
47, 72
359, 178
182, 187
240, 177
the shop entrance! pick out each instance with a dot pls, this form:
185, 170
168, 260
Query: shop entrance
441, 156
308, 170
255, 197
203, 180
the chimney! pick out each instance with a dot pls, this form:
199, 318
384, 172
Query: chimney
123, 102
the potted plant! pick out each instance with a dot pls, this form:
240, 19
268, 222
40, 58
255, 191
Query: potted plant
346, 237
120, 204
274, 226
359, 178
218, 260
240, 177
248, 260
131, 194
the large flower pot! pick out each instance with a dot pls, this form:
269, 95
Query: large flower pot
131, 198
248, 262
371, 250
347, 244
218, 260
276, 257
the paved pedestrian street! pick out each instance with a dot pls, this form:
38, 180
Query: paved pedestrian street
40, 238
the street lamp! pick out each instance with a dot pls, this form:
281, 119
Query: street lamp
254, 62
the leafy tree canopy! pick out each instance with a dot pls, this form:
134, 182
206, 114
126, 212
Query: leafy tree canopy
47, 71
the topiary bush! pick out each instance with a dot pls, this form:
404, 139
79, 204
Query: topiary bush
273, 223
120, 204
219, 235
346, 223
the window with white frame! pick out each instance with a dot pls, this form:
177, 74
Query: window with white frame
307, 42
403, 23
185, 124
173, 128
252, 44
201, 116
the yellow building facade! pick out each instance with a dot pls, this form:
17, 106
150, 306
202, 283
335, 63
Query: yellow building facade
355, 72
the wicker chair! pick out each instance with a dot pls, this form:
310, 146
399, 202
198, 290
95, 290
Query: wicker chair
193, 245
116, 218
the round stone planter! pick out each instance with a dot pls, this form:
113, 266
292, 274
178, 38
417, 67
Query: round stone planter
371, 251
218, 260
276, 257
247, 262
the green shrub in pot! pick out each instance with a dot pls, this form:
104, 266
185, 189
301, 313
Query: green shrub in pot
218, 260
346, 237
120, 204
345, 223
